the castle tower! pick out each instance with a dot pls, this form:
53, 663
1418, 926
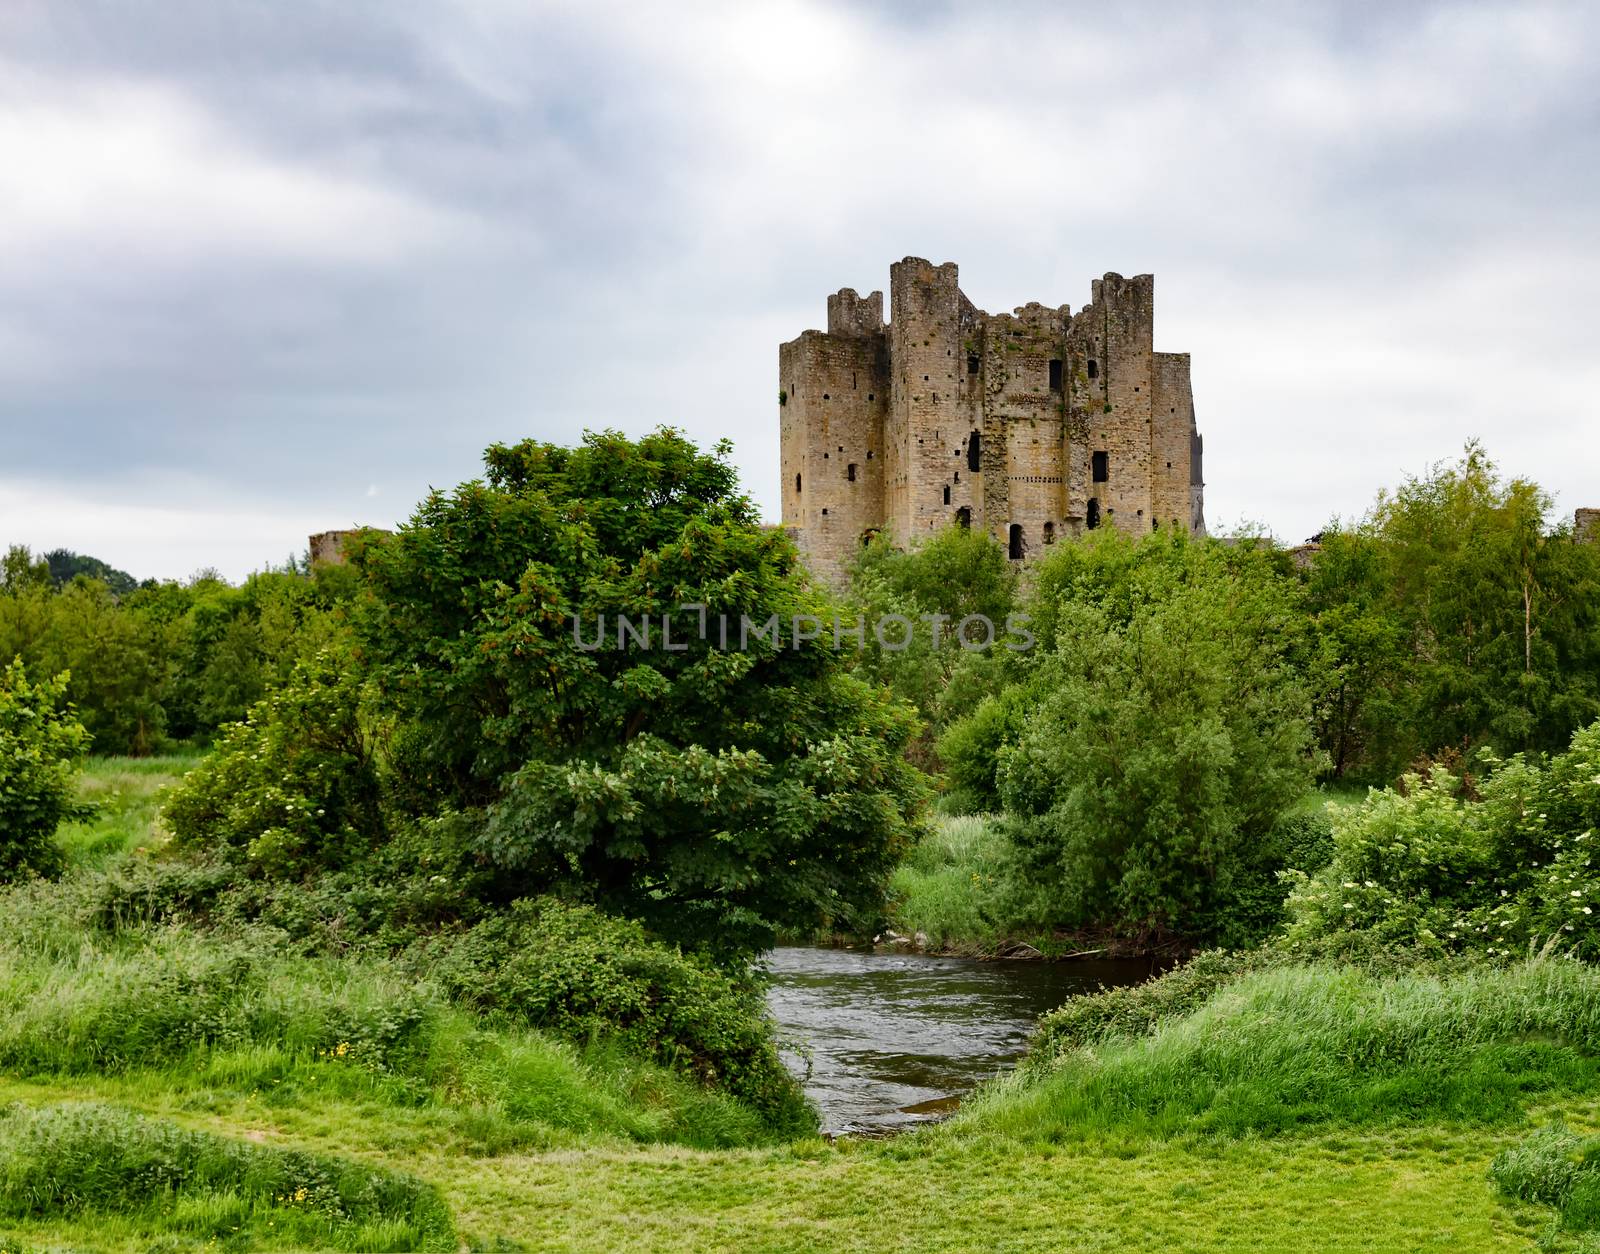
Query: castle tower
1033, 425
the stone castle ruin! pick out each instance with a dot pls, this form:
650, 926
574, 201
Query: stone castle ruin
1032, 425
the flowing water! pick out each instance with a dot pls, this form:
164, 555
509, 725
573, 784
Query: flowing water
892, 1040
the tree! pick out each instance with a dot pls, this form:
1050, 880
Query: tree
1165, 731
937, 584
719, 793
40, 743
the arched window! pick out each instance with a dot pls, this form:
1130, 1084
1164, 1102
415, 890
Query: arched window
1092, 519
1094, 368
1018, 545
1049, 533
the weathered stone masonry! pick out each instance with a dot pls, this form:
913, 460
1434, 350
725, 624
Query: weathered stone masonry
1032, 425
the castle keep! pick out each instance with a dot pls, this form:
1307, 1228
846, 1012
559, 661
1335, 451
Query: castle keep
1032, 425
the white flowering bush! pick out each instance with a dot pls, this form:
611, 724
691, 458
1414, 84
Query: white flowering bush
292, 788
1428, 868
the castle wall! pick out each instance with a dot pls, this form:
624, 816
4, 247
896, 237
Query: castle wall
831, 424
1172, 440
1052, 400
1586, 525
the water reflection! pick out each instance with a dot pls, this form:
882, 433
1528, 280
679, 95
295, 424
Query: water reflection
893, 1038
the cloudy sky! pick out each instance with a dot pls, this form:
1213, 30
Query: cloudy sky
273, 267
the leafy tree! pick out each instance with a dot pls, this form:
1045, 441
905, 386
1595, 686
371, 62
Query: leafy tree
40, 743
719, 794
65, 566
937, 585
1165, 733
20, 570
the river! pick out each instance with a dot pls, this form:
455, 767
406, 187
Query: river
897, 1039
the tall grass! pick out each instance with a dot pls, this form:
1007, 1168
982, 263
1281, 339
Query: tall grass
950, 886
77, 1160
235, 1013
1283, 1048
126, 795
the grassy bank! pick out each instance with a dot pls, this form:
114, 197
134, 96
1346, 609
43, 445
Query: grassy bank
345, 1105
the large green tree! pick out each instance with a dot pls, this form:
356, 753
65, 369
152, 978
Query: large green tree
718, 783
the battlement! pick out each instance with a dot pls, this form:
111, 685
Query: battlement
850, 314
1034, 425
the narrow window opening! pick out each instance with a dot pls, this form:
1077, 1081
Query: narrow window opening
1055, 374
975, 451
1017, 542
1155, 524
824, 396
824, 511
947, 494
972, 363
850, 472
797, 483
1049, 533
869, 396
1102, 467
964, 518
852, 380
1092, 517
1094, 368
869, 455
958, 476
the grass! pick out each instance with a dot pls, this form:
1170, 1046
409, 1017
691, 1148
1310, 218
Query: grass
948, 889
126, 794
1309, 1108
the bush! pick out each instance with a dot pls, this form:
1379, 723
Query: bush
69, 1160
40, 743
293, 788
571, 970
1427, 869
951, 886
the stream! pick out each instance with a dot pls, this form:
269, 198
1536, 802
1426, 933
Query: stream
896, 1039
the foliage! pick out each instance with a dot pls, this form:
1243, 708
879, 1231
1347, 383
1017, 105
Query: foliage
937, 584
1429, 869
1166, 732
40, 744
717, 794
162, 661
66, 566
569, 970
91, 1158
1451, 616
292, 788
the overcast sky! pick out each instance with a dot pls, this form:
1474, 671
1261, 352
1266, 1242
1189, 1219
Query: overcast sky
268, 268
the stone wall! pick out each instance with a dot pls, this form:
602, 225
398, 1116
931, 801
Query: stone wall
1050, 400
1586, 525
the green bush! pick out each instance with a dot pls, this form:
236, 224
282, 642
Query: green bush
40, 744
584, 975
293, 788
72, 1160
1429, 869
952, 885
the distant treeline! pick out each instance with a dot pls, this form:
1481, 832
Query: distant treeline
158, 662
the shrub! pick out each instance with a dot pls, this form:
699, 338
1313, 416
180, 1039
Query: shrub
68, 1160
40, 743
292, 788
1429, 869
571, 970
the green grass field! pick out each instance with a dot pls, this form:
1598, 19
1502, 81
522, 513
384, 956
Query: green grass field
1303, 1110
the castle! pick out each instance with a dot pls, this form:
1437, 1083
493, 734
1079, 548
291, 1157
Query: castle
1032, 425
